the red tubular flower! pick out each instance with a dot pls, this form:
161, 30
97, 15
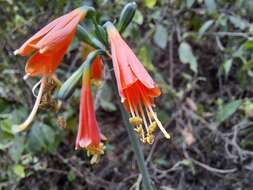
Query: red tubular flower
89, 136
50, 43
136, 88
48, 47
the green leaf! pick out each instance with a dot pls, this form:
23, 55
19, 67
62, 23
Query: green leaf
41, 138
106, 97
150, 3
205, 27
6, 145
211, 5
248, 44
17, 148
6, 125
138, 17
225, 111
71, 176
161, 36
227, 66
186, 56
238, 22
144, 54
19, 170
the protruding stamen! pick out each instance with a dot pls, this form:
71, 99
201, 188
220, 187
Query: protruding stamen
16, 52
95, 159
35, 87
135, 121
26, 76
165, 133
149, 116
143, 139
130, 105
131, 108
26, 123
143, 117
150, 139
152, 127
95, 152
139, 131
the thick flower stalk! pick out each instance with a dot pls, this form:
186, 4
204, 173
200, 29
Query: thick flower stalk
135, 86
89, 136
47, 48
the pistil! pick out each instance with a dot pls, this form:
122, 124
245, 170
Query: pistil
27, 122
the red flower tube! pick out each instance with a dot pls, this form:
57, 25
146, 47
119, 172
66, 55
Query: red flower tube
136, 88
89, 136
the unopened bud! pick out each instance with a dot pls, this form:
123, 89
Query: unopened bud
126, 16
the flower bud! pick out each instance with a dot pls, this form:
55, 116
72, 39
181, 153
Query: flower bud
126, 16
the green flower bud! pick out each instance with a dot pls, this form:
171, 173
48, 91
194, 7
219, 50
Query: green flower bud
126, 16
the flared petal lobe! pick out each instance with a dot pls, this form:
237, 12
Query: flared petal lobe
128, 69
50, 44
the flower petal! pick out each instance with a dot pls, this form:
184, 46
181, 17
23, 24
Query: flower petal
52, 40
88, 131
97, 68
30, 44
44, 64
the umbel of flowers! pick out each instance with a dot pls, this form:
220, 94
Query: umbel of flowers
136, 88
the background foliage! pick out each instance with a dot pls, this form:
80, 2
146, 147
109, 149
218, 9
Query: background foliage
199, 52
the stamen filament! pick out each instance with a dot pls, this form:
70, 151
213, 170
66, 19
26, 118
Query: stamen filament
166, 134
143, 117
150, 120
26, 76
26, 123
130, 105
34, 88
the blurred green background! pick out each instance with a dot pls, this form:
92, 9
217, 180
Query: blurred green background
200, 54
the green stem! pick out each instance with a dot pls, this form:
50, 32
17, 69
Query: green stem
133, 139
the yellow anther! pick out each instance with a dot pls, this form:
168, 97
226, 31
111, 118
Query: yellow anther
150, 139
159, 124
143, 140
94, 150
135, 121
139, 130
152, 127
95, 159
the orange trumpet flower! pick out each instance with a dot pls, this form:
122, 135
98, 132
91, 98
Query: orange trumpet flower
89, 136
136, 88
50, 43
48, 47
